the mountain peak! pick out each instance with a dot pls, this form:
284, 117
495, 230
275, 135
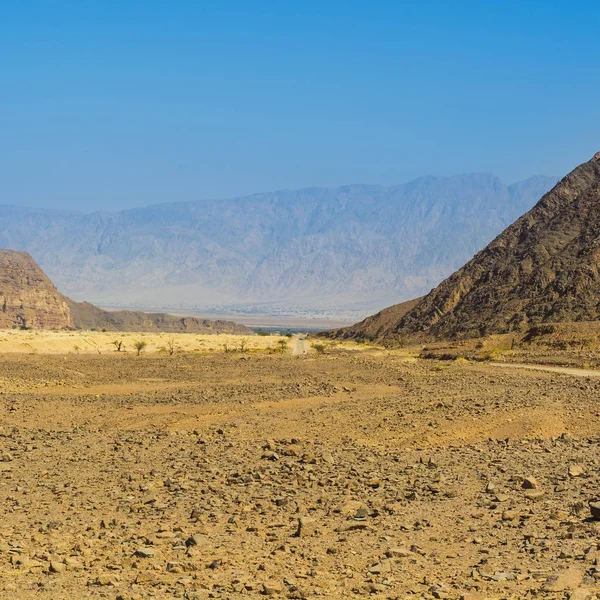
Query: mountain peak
545, 267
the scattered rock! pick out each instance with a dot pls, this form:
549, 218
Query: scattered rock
570, 579
272, 588
576, 470
306, 527
530, 483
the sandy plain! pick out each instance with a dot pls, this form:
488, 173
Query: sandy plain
359, 472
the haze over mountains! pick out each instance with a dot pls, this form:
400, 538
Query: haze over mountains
353, 248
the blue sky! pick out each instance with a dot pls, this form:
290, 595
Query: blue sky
106, 105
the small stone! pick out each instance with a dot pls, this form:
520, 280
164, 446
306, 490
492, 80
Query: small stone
73, 564
306, 527
351, 507
566, 580
509, 515
361, 513
57, 567
194, 540
328, 458
270, 455
399, 552
580, 594
530, 483
385, 566
272, 588
174, 567
28, 563
534, 495
146, 577
575, 470
107, 579
145, 553
595, 509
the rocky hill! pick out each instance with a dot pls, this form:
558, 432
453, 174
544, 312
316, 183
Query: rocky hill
88, 316
373, 327
545, 267
27, 297
358, 246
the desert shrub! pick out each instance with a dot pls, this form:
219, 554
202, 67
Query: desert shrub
318, 348
118, 344
282, 346
171, 347
139, 346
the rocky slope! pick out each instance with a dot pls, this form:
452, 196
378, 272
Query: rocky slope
375, 326
360, 245
27, 297
88, 316
545, 267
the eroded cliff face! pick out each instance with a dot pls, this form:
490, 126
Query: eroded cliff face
27, 297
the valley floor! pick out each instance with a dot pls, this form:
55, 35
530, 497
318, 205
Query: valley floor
214, 475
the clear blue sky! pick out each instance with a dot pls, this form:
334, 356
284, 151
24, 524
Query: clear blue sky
109, 104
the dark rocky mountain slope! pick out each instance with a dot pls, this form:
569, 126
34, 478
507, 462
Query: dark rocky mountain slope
545, 267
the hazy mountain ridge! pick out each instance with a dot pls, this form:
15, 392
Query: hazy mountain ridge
312, 247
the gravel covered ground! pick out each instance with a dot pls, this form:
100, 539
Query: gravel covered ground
335, 476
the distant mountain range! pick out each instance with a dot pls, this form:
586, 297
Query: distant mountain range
544, 268
354, 248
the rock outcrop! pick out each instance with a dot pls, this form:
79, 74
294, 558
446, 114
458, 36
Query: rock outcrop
27, 297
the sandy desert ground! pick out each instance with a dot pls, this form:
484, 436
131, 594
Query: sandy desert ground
350, 474
100, 342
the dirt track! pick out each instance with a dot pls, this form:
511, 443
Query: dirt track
549, 368
188, 476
